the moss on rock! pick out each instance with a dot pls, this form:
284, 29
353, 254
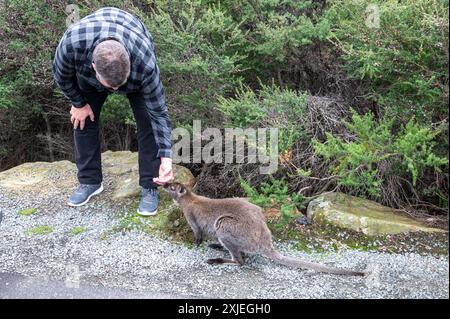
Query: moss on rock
361, 215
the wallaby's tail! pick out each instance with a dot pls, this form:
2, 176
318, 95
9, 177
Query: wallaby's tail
297, 263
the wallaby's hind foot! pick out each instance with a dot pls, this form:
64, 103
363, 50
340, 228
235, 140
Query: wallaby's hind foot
236, 255
220, 261
234, 250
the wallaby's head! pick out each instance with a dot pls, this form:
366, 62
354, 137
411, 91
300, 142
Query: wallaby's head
176, 190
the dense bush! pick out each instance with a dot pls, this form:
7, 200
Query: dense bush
275, 193
275, 32
28, 30
270, 107
404, 59
374, 153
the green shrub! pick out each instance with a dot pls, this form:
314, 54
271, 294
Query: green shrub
405, 60
275, 31
275, 193
244, 110
5, 96
357, 161
117, 110
272, 107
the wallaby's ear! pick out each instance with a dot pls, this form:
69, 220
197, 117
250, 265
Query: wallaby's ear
182, 189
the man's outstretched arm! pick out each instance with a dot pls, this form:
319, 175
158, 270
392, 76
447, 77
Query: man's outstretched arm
153, 91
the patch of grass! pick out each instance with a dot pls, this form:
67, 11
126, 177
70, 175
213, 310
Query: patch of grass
27, 211
168, 223
302, 240
78, 230
40, 230
132, 221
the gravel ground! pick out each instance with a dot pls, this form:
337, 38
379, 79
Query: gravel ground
141, 262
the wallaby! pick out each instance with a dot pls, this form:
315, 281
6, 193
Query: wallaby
238, 225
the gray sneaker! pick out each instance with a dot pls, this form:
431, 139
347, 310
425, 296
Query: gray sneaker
84, 193
148, 204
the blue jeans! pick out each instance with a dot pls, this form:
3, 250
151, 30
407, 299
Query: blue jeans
87, 141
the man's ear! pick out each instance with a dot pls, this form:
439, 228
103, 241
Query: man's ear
93, 66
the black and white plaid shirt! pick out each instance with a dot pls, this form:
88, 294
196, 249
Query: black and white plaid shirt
73, 62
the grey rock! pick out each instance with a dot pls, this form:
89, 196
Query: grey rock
361, 215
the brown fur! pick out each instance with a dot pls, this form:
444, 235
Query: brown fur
238, 225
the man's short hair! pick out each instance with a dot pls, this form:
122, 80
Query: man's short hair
112, 62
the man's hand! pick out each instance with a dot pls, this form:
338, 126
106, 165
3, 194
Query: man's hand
165, 171
79, 115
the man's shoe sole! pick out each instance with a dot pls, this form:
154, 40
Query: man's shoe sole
147, 213
98, 191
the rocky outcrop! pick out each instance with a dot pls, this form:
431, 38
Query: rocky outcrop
124, 165
119, 168
361, 215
